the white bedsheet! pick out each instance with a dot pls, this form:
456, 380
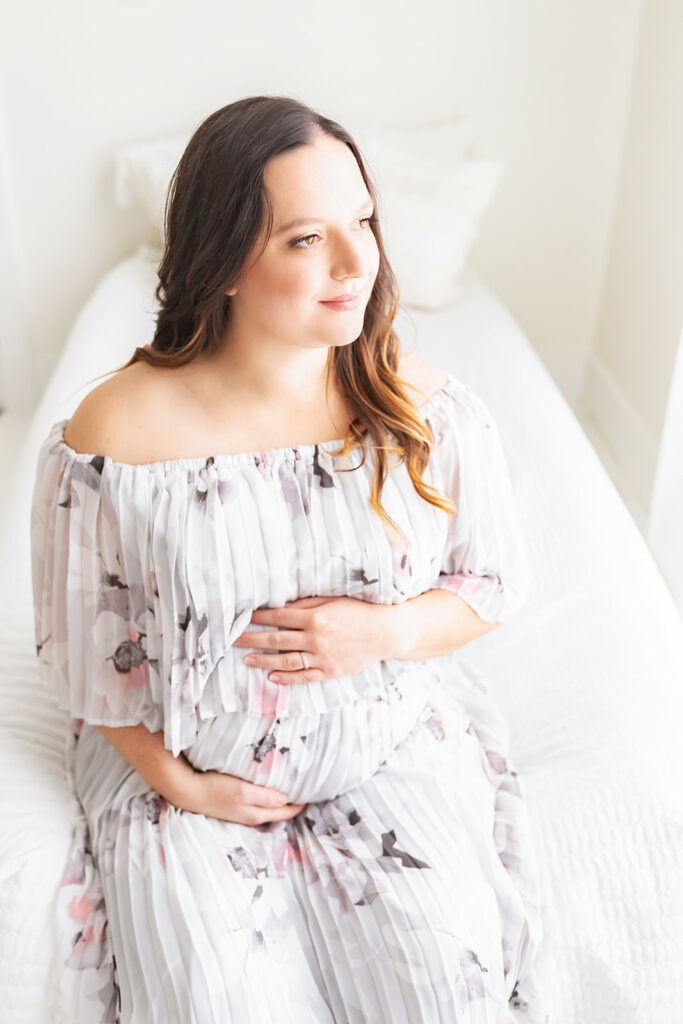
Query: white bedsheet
589, 676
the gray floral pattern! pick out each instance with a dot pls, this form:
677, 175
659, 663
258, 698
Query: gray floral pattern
406, 889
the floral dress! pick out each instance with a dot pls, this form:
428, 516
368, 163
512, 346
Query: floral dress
406, 889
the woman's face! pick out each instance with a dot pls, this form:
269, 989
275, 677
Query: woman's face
330, 251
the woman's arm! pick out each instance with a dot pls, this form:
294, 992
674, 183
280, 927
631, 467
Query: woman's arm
172, 777
212, 793
431, 624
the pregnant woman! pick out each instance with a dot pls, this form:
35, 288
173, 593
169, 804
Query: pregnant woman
254, 553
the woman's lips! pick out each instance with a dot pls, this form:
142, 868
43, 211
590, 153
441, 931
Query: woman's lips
345, 303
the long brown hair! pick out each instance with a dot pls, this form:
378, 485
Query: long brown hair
215, 209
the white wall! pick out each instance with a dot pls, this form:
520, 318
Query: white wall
640, 322
545, 85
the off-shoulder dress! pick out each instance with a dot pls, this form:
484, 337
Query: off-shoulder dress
406, 891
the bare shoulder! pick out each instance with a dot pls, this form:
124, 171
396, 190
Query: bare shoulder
121, 416
421, 375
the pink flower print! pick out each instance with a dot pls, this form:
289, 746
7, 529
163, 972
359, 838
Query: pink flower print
80, 907
286, 852
269, 697
90, 945
464, 584
269, 762
497, 761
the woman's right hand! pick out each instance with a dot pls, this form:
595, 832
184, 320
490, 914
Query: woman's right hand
231, 798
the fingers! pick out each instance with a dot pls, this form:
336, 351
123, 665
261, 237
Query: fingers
276, 802
261, 816
247, 803
262, 796
283, 813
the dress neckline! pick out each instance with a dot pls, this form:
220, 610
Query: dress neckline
288, 452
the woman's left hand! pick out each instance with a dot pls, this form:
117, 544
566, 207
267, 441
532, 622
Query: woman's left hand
339, 636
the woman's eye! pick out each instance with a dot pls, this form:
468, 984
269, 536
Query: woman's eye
296, 243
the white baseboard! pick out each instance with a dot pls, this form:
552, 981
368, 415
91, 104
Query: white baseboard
13, 428
626, 448
18, 391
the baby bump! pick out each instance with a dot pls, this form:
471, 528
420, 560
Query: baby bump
312, 757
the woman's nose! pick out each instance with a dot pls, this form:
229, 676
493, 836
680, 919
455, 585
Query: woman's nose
352, 260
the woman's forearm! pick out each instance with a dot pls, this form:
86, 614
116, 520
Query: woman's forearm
431, 624
217, 795
172, 777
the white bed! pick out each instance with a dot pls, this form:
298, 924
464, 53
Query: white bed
589, 676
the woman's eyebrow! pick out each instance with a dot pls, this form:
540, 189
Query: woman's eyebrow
308, 220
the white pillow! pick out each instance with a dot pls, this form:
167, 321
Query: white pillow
142, 174
448, 140
432, 197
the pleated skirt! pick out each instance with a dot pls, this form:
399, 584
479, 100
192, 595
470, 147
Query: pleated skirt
409, 896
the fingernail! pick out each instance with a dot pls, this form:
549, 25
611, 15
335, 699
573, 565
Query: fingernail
249, 660
274, 677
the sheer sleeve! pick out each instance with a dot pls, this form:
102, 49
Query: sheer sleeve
94, 619
485, 559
